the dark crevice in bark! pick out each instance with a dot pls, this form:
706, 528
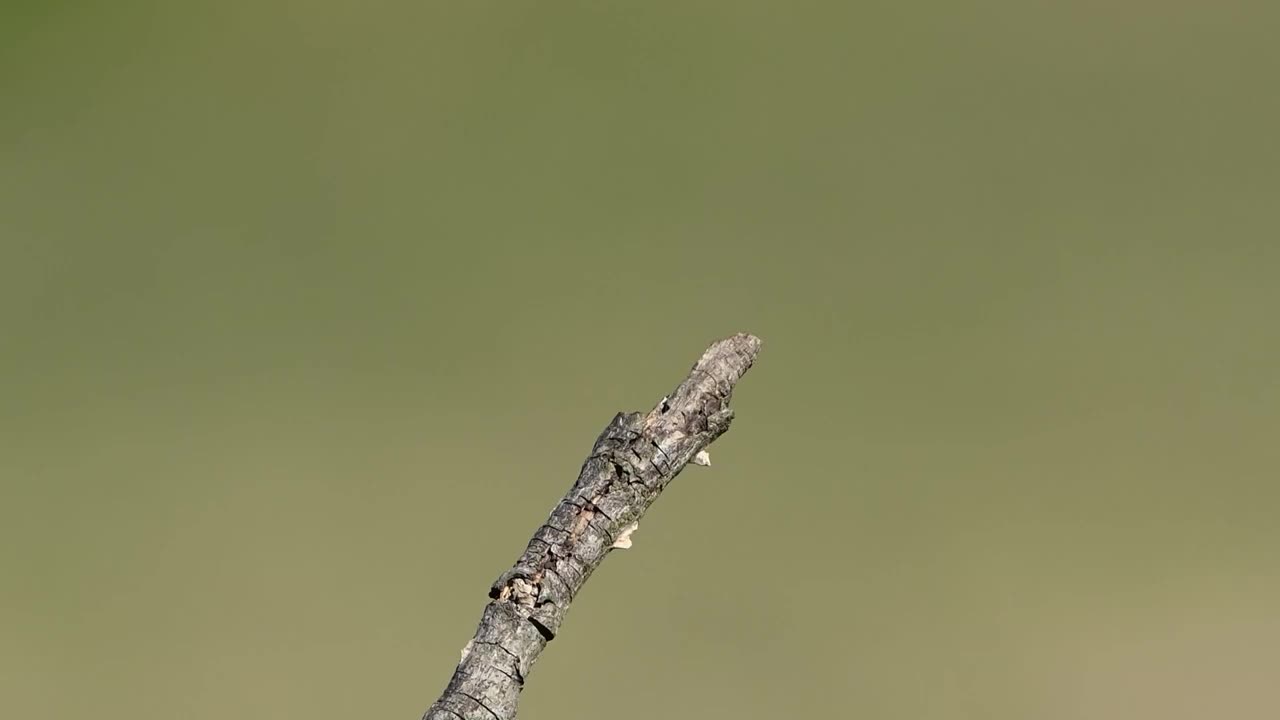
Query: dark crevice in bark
543, 629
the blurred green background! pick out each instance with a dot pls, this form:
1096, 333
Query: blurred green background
311, 311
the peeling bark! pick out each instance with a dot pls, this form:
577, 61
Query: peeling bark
632, 461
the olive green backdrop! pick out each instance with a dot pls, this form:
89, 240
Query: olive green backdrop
311, 311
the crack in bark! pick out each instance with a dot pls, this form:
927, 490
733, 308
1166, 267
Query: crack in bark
499, 646
658, 447
476, 700
515, 678
560, 578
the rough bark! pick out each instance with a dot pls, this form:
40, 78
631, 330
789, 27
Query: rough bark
632, 461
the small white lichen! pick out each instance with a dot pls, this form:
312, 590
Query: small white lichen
466, 650
624, 540
702, 458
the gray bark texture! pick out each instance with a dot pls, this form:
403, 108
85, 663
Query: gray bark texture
629, 466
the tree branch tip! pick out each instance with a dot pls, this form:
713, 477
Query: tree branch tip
632, 461
748, 343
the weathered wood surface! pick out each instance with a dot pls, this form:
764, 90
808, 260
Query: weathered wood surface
633, 460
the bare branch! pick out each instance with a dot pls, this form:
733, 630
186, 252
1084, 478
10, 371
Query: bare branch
632, 462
